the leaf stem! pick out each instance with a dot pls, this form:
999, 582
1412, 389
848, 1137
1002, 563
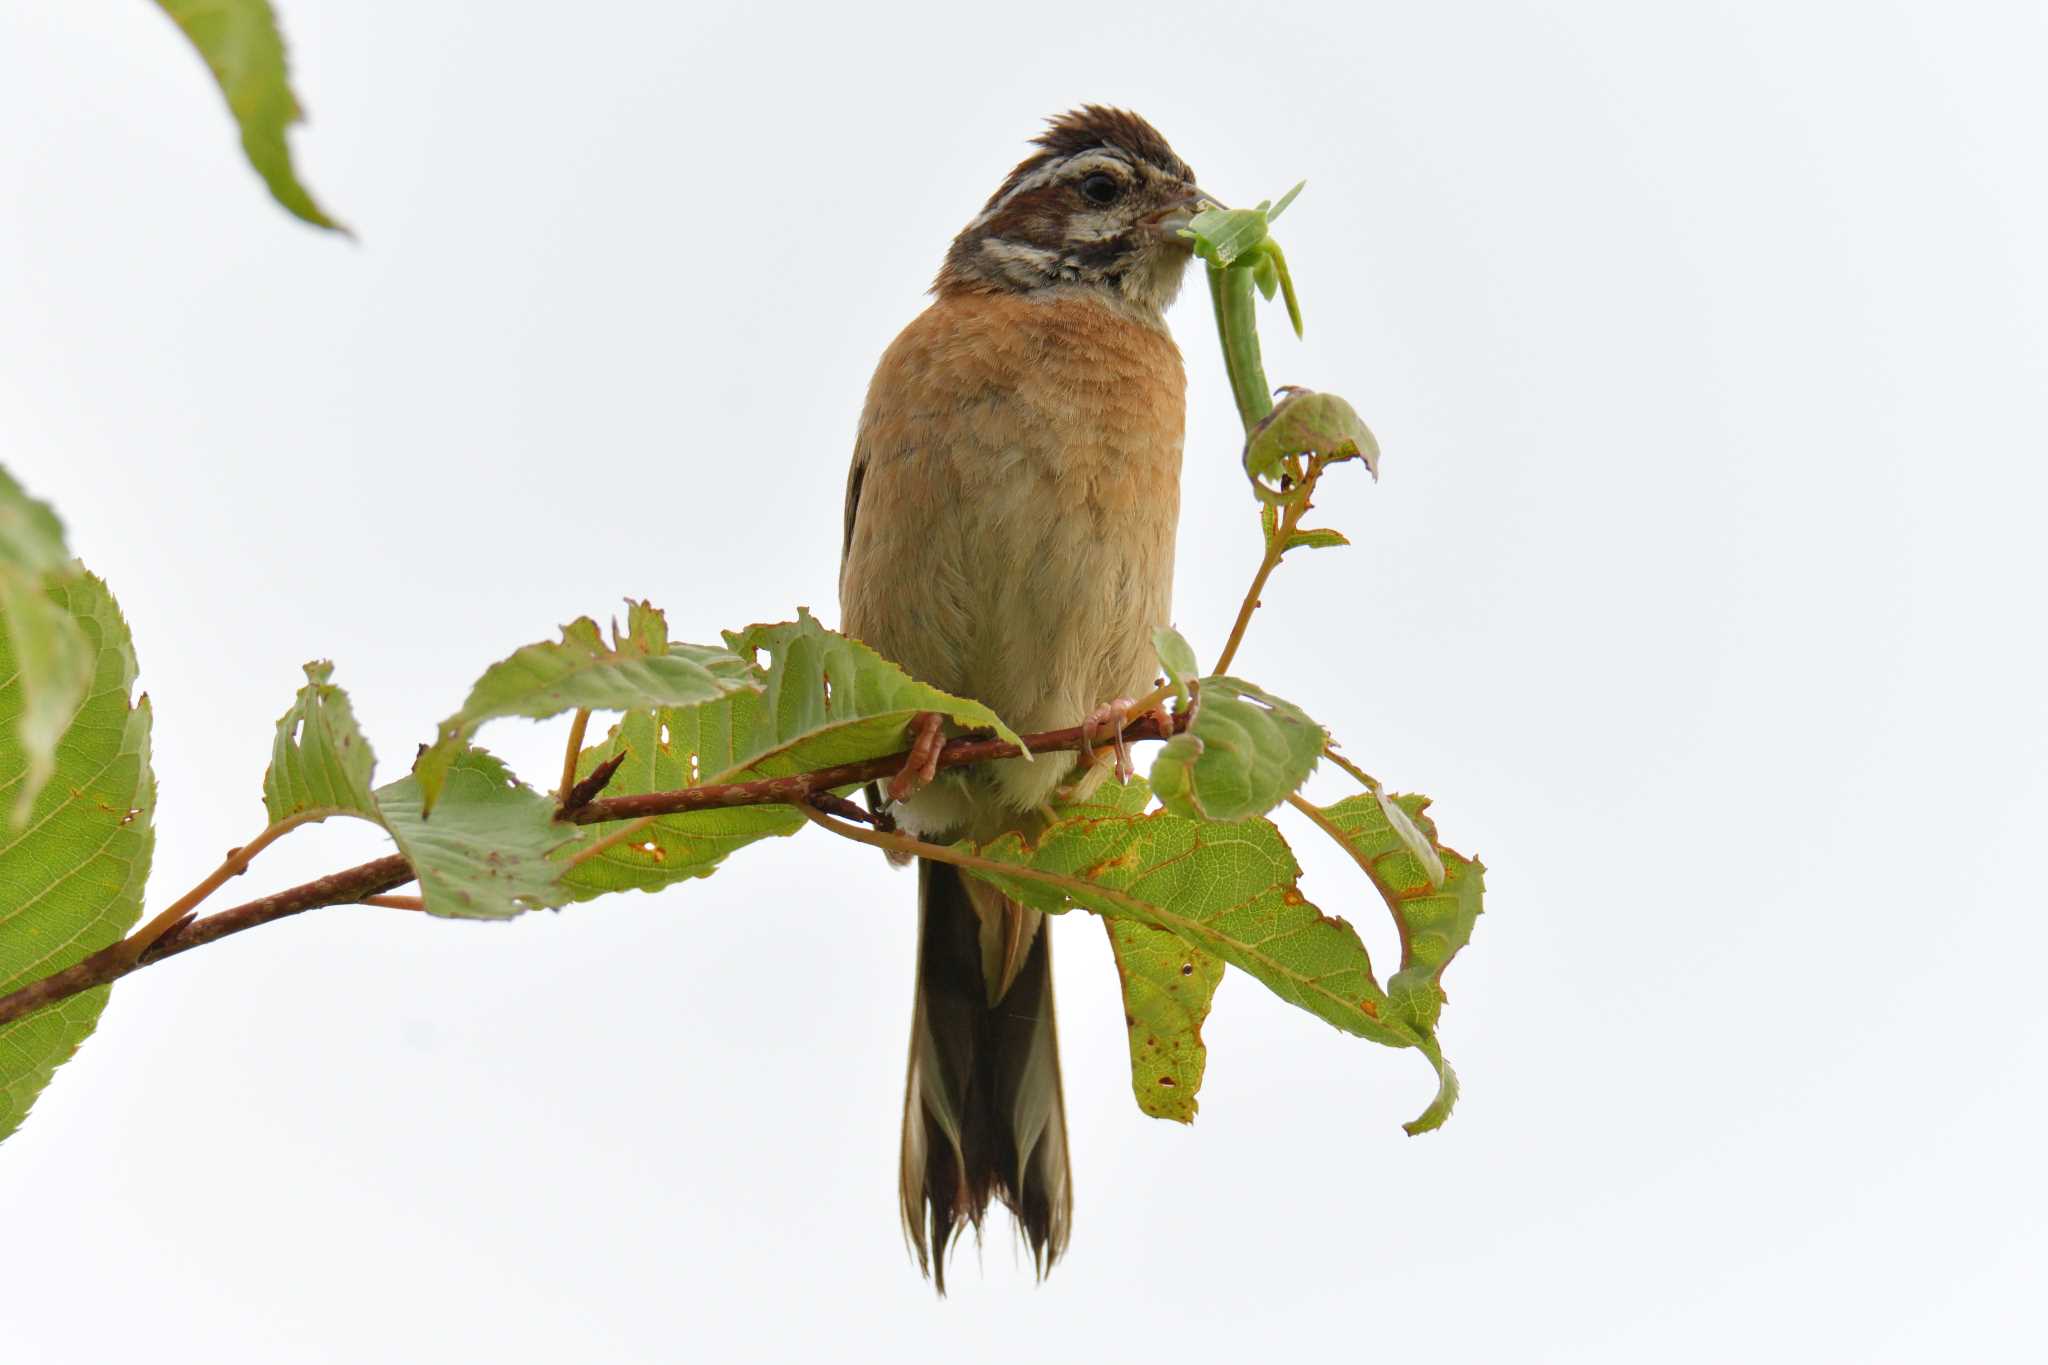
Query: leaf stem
577, 726
234, 865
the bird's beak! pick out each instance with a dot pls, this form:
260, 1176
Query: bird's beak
1168, 224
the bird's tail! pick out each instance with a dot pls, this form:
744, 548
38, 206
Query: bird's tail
982, 1114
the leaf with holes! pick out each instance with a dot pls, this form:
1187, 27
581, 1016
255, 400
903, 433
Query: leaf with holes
1244, 752
1168, 986
1230, 890
241, 45
1306, 423
486, 853
666, 750
319, 760
71, 878
637, 669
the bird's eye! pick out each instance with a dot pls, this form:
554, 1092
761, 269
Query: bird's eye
1101, 189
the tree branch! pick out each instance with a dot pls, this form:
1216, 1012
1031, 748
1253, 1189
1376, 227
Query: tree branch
358, 884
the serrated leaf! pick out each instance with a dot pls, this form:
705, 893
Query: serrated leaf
319, 760
486, 853
831, 700
1434, 909
1307, 422
1177, 658
1435, 915
71, 879
1244, 753
667, 750
242, 47
1230, 890
1168, 986
637, 669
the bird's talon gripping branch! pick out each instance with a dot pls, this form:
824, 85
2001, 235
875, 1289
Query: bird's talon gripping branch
1110, 719
921, 765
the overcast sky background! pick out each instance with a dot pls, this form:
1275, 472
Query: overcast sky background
1706, 346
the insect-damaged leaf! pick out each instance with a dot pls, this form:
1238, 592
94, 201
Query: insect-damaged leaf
485, 853
319, 760
639, 668
1227, 889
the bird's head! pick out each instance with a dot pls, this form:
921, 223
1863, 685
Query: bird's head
1099, 205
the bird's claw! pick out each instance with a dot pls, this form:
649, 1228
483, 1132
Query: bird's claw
1112, 717
921, 764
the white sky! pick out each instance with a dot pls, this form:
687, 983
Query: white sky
1706, 345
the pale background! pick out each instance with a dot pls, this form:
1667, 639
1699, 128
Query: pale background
1706, 346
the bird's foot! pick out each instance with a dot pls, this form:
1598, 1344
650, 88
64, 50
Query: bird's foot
1109, 718
921, 764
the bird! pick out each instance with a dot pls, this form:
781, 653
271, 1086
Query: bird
1011, 510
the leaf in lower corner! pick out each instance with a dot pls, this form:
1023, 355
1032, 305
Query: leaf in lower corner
319, 759
1168, 986
486, 853
1244, 753
241, 45
640, 668
71, 879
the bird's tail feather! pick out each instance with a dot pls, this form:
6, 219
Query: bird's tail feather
983, 1116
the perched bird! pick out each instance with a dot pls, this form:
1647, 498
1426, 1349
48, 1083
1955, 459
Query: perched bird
1010, 519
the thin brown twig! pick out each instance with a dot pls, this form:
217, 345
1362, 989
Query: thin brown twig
356, 884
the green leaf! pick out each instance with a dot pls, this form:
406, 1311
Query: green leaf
638, 669
1220, 236
1434, 913
1168, 986
1273, 214
241, 44
1314, 539
832, 700
1435, 896
666, 750
50, 654
31, 537
1177, 657
1230, 890
1244, 753
486, 853
319, 760
1305, 422
51, 662
71, 879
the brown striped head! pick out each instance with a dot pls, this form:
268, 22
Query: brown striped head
1098, 206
